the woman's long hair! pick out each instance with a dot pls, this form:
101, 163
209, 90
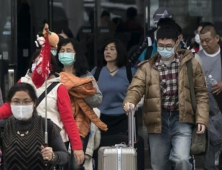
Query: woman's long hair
122, 57
80, 65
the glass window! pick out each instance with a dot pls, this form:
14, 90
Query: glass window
5, 29
189, 13
113, 22
5, 43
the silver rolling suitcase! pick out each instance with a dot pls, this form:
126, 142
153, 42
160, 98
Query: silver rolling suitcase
120, 156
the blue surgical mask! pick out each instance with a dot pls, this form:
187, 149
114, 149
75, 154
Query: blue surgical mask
54, 52
67, 59
166, 53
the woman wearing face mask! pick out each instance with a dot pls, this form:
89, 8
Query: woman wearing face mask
54, 49
83, 90
59, 108
22, 139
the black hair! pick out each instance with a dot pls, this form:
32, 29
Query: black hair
122, 58
209, 28
67, 32
178, 28
164, 21
22, 87
203, 24
53, 62
131, 12
119, 24
61, 38
167, 32
105, 13
81, 64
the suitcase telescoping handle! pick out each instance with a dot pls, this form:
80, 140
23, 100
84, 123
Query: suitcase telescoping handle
131, 127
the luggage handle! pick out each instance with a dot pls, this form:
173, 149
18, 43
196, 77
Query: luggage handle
131, 128
121, 145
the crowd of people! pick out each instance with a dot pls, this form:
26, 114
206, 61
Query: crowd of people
85, 106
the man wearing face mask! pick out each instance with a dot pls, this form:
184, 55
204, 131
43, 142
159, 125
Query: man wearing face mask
148, 47
167, 110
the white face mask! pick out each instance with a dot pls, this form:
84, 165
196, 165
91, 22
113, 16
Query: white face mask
197, 38
22, 112
166, 53
33, 67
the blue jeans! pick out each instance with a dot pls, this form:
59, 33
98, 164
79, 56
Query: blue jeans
172, 145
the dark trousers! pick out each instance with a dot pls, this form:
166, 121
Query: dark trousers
209, 158
116, 125
72, 165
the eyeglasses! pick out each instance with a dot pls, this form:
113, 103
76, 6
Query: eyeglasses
21, 103
162, 48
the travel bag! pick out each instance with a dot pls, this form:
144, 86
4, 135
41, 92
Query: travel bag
120, 156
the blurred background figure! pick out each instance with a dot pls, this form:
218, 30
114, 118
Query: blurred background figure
66, 33
1, 98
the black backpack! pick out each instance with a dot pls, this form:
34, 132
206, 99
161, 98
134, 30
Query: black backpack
128, 73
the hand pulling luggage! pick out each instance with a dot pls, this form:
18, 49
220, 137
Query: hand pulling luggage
120, 156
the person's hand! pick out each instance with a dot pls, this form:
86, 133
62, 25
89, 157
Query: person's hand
217, 88
79, 156
127, 107
46, 153
201, 129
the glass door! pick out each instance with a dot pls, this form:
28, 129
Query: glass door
20, 22
7, 45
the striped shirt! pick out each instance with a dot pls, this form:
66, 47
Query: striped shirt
169, 82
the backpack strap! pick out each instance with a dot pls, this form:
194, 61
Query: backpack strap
97, 73
42, 96
129, 73
190, 78
148, 52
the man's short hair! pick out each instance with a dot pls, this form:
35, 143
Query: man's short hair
178, 28
168, 32
203, 24
164, 21
131, 12
209, 28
